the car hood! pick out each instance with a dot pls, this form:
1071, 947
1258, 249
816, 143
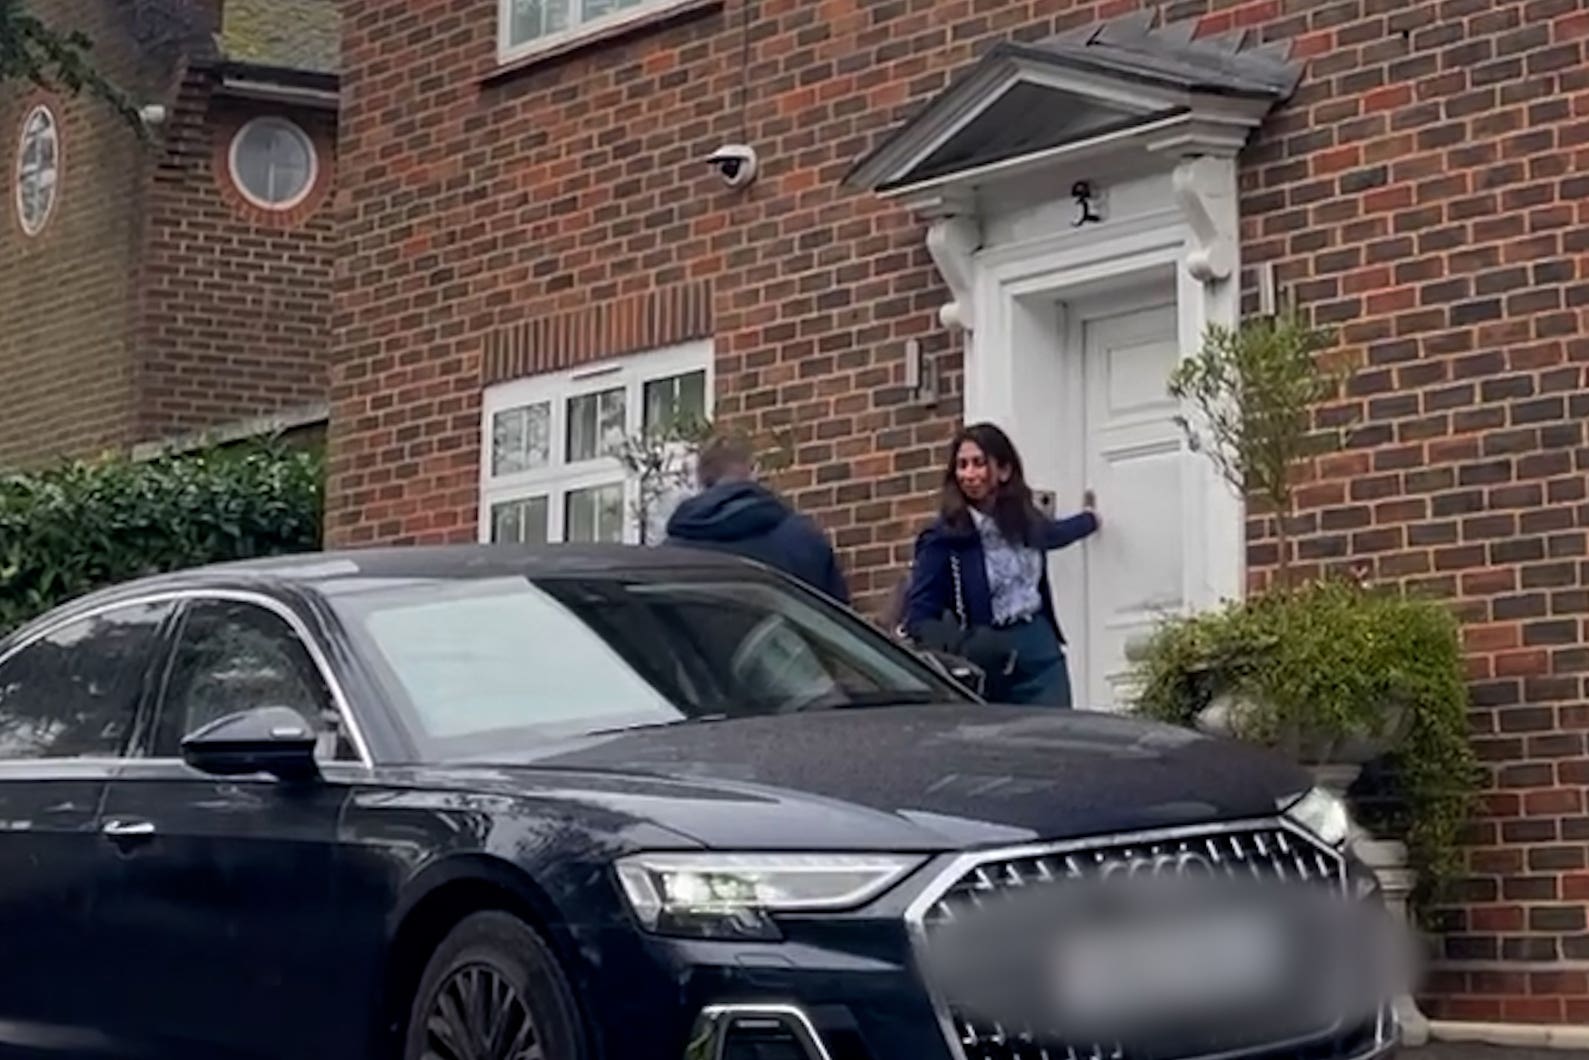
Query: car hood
918, 778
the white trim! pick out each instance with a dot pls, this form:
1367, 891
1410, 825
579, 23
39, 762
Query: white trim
1022, 296
555, 480
54, 135
267, 92
1512, 1035
293, 129
1064, 154
510, 52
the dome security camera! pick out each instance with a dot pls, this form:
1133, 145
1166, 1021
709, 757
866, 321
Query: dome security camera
735, 163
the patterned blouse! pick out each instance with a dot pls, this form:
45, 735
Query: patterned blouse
1014, 572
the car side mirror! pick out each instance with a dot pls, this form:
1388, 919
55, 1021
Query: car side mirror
959, 670
273, 740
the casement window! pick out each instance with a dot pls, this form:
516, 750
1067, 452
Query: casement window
549, 470
529, 26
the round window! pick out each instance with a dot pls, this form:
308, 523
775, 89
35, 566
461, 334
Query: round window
273, 163
38, 169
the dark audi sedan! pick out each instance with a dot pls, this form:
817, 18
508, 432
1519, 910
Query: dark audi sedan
482, 803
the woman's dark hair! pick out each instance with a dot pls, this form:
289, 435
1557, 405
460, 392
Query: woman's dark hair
1014, 512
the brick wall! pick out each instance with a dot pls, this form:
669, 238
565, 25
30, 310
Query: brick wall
67, 294
237, 299
1421, 191
1424, 193
156, 301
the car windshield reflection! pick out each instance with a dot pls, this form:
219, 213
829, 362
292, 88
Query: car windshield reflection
506, 663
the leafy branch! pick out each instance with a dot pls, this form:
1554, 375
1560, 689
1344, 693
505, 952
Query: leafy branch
663, 460
33, 51
1254, 389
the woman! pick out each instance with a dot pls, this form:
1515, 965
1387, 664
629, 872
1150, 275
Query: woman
979, 584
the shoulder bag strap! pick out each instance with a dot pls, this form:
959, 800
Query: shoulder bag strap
959, 589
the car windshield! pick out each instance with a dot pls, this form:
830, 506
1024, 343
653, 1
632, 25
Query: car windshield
503, 664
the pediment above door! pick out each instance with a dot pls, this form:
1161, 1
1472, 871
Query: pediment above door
1125, 97
1108, 87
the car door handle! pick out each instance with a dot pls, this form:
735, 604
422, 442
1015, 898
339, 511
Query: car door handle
116, 830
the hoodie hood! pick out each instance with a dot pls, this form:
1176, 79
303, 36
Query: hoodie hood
729, 511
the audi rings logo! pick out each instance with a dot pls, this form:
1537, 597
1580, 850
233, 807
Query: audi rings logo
1180, 863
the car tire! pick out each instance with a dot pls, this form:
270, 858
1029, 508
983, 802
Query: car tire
496, 956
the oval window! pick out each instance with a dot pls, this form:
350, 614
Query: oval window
273, 163
38, 169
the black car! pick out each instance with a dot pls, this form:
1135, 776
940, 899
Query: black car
489, 803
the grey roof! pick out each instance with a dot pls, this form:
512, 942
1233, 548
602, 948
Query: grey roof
1030, 116
303, 35
1133, 47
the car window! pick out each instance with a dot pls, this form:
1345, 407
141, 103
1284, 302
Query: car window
233, 656
478, 665
74, 692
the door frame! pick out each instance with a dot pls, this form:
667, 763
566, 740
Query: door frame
1021, 291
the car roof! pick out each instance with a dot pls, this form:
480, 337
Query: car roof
331, 572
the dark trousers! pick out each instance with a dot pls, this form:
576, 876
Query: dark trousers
1041, 675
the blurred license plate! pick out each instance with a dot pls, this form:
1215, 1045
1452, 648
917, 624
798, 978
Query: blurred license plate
1169, 966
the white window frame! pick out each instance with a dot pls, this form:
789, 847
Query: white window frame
509, 50
53, 132
295, 130
558, 478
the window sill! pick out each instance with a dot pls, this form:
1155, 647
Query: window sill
531, 56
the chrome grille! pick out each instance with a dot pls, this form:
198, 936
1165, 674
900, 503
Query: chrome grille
1267, 853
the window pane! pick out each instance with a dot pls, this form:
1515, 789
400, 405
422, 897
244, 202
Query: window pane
530, 20
522, 522
74, 693
521, 439
234, 657
597, 8
273, 161
38, 169
596, 425
595, 514
675, 400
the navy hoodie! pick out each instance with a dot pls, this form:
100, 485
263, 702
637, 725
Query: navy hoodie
748, 520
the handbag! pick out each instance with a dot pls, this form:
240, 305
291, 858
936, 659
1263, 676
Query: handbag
987, 648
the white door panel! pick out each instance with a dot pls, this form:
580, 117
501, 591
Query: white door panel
1135, 461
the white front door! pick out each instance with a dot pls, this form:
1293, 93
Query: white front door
1132, 454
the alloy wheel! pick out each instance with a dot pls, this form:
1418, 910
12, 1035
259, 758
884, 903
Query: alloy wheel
478, 1014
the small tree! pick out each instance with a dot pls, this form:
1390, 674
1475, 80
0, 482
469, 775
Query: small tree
1255, 388
663, 463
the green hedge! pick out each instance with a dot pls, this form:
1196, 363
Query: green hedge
80, 526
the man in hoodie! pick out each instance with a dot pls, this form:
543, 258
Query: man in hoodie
734, 513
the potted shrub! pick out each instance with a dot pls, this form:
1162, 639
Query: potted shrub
1332, 672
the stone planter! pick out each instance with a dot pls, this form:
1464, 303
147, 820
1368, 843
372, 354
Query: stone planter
1229, 715
1388, 859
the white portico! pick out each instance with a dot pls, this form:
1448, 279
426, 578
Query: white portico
1080, 200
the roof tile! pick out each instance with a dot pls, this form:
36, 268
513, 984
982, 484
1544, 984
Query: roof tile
292, 34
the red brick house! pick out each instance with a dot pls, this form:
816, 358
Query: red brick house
151, 290
1025, 211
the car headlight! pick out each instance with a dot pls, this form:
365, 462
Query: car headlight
1324, 815
711, 895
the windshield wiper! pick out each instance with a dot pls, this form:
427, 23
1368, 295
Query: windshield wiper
670, 724
883, 698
